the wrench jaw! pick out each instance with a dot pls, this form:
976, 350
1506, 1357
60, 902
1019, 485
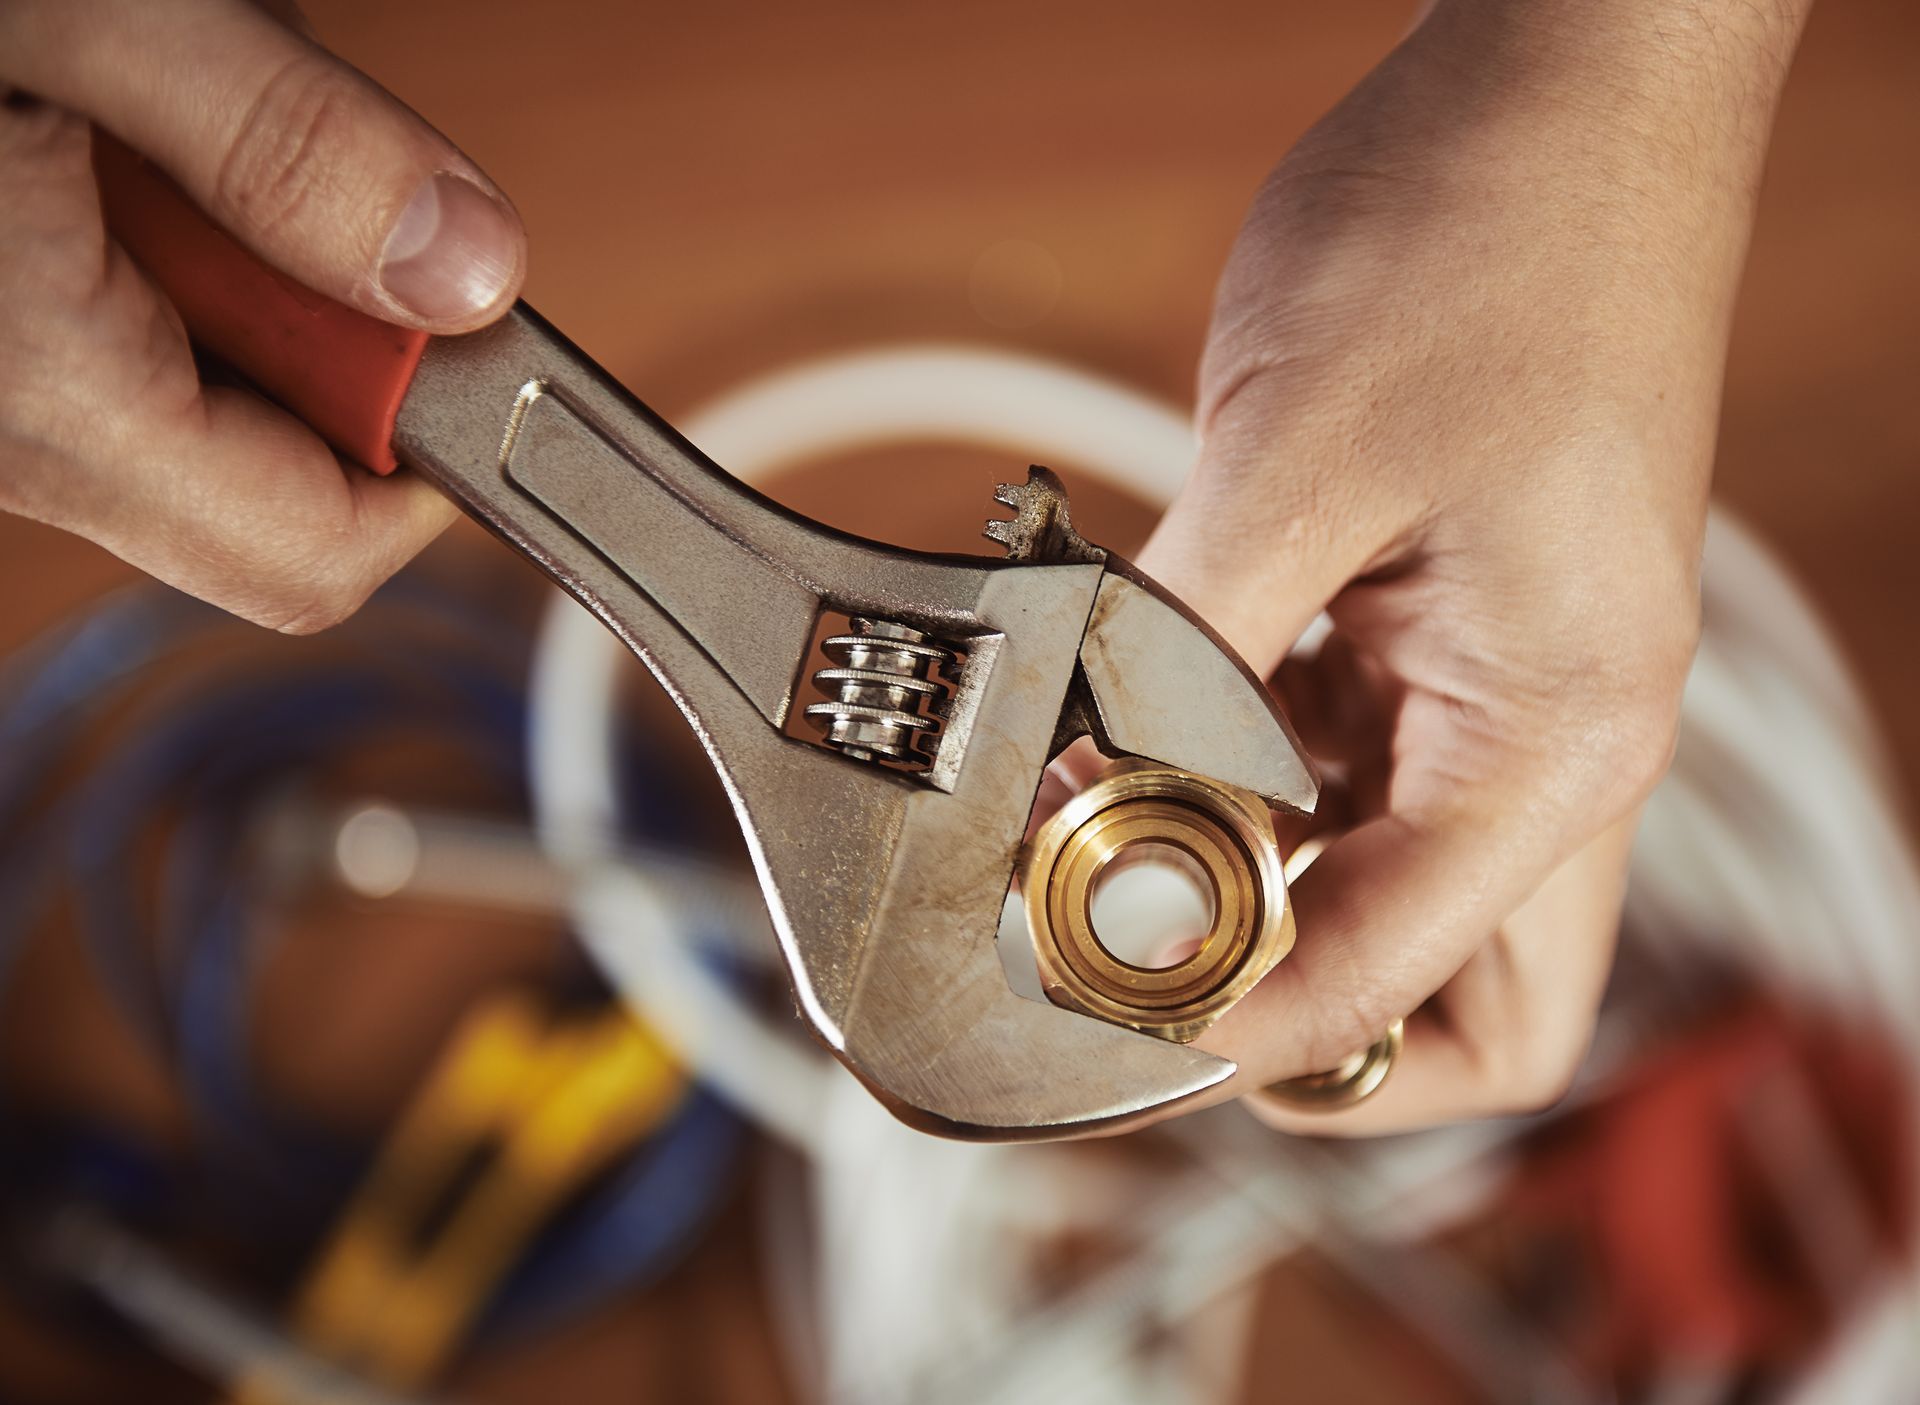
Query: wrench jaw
1156, 682
895, 962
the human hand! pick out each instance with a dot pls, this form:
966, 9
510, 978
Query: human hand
1461, 392
105, 427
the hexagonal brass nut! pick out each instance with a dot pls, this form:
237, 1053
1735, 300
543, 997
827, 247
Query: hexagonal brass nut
1221, 834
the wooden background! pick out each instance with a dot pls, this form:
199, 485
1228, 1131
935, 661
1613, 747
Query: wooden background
715, 189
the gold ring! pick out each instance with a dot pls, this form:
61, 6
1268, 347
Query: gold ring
1351, 1083
1219, 835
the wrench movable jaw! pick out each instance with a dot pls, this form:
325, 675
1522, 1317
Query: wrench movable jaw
1155, 680
1163, 686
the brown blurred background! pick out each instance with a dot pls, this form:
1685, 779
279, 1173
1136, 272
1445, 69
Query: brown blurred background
715, 190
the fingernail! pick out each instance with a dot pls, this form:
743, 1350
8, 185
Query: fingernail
452, 252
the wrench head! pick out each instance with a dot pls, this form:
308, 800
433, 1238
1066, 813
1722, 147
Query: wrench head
1075, 641
887, 891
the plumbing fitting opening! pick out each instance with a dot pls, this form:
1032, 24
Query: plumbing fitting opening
1136, 815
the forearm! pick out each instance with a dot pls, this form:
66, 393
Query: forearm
1598, 159
1681, 92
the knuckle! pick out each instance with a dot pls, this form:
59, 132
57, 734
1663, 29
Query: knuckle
16, 456
1646, 751
1636, 729
1532, 1074
1535, 1091
44, 144
1341, 1032
1608, 719
315, 606
278, 162
52, 243
312, 584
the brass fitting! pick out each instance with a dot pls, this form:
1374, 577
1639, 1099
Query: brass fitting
1136, 811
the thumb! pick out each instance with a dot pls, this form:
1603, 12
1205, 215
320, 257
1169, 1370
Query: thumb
301, 157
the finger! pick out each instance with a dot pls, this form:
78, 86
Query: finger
305, 160
237, 503
1339, 701
1508, 1033
106, 430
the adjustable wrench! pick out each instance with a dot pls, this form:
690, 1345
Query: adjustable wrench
884, 868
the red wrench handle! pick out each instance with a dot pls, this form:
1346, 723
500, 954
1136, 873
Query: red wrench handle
341, 371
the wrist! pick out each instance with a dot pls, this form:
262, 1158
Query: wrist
1638, 125
1700, 82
